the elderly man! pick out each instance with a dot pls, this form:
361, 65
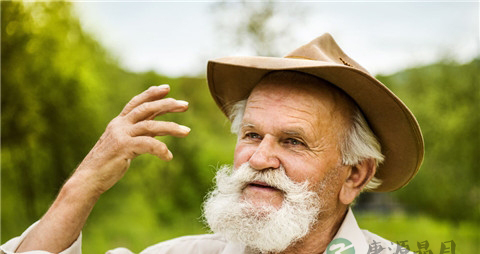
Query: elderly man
314, 130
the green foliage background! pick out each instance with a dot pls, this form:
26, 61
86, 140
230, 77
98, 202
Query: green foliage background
60, 88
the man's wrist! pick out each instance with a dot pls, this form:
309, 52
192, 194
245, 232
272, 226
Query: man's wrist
80, 188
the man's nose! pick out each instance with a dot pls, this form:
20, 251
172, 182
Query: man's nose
265, 156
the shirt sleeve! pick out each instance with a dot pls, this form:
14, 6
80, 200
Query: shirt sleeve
119, 251
198, 244
12, 245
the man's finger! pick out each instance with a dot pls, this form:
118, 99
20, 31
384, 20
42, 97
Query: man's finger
158, 128
151, 94
150, 110
143, 145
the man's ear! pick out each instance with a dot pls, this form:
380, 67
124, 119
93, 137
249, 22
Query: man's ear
357, 177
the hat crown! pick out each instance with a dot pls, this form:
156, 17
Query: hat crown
325, 49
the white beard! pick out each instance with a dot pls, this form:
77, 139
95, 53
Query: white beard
264, 228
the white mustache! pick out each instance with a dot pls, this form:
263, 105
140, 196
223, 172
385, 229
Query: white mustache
276, 178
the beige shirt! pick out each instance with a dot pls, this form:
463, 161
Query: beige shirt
349, 239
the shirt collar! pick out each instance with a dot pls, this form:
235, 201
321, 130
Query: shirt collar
349, 234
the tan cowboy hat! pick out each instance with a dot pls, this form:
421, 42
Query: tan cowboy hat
232, 79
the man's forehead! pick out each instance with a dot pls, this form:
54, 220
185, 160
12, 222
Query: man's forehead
291, 86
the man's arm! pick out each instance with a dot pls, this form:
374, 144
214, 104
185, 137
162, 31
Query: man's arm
128, 135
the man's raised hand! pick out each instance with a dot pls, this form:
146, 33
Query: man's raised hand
130, 134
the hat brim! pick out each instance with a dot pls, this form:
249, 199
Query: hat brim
232, 79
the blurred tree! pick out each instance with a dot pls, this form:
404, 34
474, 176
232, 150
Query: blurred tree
445, 98
45, 83
52, 79
261, 26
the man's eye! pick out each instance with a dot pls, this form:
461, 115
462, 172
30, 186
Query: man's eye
253, 135
295, 142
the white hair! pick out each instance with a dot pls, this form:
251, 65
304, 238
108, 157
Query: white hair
359, 142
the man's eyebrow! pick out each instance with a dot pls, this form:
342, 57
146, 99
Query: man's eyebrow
294, 132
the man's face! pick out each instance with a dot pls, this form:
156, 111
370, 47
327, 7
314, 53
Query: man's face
289, 135
298, 127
